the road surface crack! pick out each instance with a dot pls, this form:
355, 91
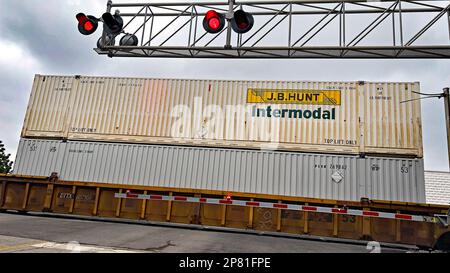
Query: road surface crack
160, 248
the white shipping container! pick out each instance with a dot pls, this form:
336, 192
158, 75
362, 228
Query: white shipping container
328, 117
234, 170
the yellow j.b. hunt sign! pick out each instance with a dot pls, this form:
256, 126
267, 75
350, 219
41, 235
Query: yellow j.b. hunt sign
292, 96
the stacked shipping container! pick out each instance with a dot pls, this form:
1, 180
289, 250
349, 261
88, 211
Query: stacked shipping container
217, 135
230, 170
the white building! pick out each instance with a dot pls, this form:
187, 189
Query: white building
437, 187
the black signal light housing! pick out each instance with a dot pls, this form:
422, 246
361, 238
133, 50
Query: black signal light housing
242, 21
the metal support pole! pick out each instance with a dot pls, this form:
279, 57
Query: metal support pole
448, 19
400, 21
343, 24
229, 17
447, 119
108, 9
393, 24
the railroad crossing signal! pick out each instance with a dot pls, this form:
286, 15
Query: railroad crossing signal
274, 29
242, 21
112, 26
213, 22
113, 23
86, 24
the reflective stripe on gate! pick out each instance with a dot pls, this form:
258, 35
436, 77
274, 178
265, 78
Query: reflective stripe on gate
341, 211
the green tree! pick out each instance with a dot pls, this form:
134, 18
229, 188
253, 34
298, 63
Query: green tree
5, 163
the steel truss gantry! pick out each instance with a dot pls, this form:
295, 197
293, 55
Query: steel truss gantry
289, 29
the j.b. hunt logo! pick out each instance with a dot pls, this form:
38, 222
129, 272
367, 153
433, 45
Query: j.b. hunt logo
237, 122
294, 96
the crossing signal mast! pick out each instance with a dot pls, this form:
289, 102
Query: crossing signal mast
112, 27
241, 22
273, 29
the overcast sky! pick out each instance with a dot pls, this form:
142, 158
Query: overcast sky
40, 37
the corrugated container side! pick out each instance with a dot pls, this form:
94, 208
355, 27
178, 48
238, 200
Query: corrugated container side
399, 179
39, 157
368, 119
250, 171
48, 106
139, 110
202, 168
390, 122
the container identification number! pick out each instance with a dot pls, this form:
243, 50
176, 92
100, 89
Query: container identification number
83, 130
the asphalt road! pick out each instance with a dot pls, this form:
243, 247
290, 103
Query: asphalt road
29, 233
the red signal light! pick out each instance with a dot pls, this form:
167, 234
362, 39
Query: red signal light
213, 22
211, 14
242, 25
86, 24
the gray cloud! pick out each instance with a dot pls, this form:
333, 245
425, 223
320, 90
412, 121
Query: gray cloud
47, 31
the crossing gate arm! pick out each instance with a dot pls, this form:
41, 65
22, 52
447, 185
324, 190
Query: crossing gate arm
304, 208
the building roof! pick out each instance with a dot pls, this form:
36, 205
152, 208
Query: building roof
437, 187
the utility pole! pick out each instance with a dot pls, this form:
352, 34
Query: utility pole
447, 119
